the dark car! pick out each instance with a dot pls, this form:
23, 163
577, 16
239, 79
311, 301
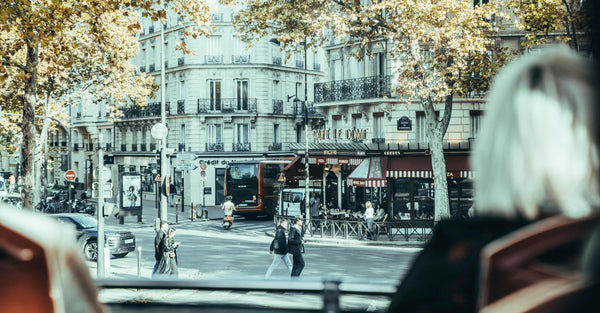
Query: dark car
120, 242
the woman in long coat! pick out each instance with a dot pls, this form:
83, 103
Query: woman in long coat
167, 268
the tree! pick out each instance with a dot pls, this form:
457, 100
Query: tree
441, 46
67, 39
543, 19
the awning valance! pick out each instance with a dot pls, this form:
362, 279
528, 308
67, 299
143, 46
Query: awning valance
420, 167
334, 160
369, 173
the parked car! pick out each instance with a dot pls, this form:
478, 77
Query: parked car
120, 242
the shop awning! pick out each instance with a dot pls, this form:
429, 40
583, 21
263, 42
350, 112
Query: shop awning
420, 167
369, 173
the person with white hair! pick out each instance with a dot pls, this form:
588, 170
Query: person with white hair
536, 156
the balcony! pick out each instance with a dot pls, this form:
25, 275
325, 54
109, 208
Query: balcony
150, 110
353, 89
276, 61
241, 146
151, 68
180, 61
151, 29
213, 59
276, 146
299, 108
214, 147
316, 66
277, 106
240, 59
142, 69
299, 64
180, 106
227, 105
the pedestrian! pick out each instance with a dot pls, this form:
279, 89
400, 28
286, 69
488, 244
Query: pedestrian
160, 234
12, 182
167, 267
369, 217
280, 248
296, 247
314, 203
171, 193
536, 159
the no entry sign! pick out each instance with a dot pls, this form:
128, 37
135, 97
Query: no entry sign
70, 175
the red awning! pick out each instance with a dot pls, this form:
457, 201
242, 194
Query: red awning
420, 167
369, 173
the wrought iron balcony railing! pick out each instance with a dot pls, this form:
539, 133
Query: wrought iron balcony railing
276, 61
299, 108
316, 66
353, 89
241, 146
240, 59
299, 64
276, 146
216, 147
151, 68
214, 59
180, 106
151, 29
143, 69
143, 147
180, 61
150, 110
227, 105
378, 140
277, 106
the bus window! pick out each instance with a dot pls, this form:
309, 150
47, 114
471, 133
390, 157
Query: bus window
242, 171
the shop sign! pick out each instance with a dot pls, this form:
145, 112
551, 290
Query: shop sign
340, 134
215, 162
330, 152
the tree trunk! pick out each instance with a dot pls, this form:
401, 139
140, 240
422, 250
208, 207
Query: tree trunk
28, 127
436, 129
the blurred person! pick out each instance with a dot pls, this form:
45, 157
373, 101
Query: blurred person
160, 235
168, 263
536, 156
171, 193
369, 217
41, 266
12, 182
280, 247
296, 247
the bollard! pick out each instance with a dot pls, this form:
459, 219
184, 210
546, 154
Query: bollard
139, 261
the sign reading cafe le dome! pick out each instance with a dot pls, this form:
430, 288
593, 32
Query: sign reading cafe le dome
340, 134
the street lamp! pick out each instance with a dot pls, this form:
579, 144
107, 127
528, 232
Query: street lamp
159, 132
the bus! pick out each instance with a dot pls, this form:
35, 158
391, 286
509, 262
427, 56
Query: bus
254, 186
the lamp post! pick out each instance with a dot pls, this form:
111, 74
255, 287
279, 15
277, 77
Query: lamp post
306, 166
159, 132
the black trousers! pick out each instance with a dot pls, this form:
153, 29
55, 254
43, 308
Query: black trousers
298, 264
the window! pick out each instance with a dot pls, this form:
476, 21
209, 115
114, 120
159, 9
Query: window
356, 120
475, 117
242, 95
298, 133
214, 46
276, 138
214, 92
182, 94
242, 134
182, 138
215, 134
421, 129
276, 90
378, 127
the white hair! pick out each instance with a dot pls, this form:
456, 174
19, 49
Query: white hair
537, 144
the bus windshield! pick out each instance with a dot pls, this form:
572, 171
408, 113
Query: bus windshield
242, 171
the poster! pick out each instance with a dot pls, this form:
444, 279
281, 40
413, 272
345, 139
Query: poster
131, 191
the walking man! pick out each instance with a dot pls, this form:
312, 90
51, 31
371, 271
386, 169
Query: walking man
296, 247
160, 235
280, 247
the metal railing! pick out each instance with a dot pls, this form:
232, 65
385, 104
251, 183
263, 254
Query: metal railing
353, 89
214, 59
227, 105
180, 106
339, 228
240, 59
237, 146
276, 60
276, 146
277, 106
216, 147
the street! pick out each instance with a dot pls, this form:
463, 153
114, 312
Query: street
209, 251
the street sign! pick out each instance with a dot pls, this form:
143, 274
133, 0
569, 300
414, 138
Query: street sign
203, 173
203, 165
70, 175
186, 156
157, 178
186, 166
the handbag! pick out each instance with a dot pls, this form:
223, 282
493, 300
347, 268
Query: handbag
171, 254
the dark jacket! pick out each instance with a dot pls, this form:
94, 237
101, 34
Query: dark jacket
295, 241
444, 276
168, 264
280, 239
157, 244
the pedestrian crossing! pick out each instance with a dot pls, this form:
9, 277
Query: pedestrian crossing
249, 226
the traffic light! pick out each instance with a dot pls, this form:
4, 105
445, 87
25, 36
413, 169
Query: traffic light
109, 159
